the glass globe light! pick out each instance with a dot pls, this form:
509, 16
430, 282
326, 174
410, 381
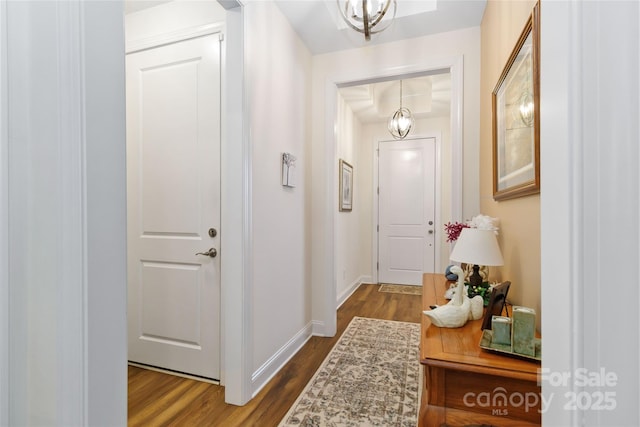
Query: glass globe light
366, 16
401, 121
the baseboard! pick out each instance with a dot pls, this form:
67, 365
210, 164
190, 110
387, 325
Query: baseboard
351, 289
263, 375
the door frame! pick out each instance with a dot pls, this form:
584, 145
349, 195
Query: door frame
327, 323
236, 275
4, 223
235, 196
375, 242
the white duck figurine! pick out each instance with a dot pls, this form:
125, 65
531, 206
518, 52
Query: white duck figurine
460, 309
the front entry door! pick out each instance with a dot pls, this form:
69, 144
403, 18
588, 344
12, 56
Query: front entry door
173, 206
406, 210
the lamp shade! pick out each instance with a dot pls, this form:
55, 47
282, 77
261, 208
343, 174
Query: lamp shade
476, 246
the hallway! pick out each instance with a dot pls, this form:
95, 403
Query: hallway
157, 399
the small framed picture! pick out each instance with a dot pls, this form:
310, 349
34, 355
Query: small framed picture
346, 186
497, 303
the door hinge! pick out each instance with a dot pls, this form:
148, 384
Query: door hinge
378, 228
378, 190
377, 266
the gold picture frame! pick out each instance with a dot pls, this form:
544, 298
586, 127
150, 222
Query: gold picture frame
346, 187
516, 118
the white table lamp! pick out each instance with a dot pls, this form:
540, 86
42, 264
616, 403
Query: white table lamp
478, 247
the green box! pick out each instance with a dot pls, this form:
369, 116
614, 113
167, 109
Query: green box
501, 330
524, 331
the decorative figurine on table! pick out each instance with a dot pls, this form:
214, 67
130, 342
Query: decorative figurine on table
456, 312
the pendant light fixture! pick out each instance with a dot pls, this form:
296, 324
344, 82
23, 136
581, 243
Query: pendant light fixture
366, 16
402, 120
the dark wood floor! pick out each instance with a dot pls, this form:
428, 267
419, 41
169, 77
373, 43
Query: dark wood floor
157, 399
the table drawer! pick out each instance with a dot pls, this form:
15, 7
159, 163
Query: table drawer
492, 395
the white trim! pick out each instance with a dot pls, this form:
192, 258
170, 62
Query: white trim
72, 229
560, 333
275, 363
438, 226
589, 217
344, 295
437, 136
105, 212
4, 223
182, 34
235, 234
457, 133
330, 214
329, 318
374, 211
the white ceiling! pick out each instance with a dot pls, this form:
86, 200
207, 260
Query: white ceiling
425, 96
320, 26
131, 6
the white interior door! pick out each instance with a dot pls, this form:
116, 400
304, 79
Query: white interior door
406, 210
173, 200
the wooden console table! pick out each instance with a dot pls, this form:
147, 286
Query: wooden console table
466, 385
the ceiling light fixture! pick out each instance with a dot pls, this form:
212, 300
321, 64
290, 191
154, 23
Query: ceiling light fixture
366, 16
402, 120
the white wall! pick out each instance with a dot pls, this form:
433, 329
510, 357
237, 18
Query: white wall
352, 235
392, 59
278, 73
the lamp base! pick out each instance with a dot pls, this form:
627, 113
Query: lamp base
468, 271
475, 279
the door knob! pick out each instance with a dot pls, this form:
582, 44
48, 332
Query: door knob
211, 252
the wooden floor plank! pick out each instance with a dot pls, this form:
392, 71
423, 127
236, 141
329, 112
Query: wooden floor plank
157, 399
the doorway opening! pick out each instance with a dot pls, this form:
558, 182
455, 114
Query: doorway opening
189, 20
449, 160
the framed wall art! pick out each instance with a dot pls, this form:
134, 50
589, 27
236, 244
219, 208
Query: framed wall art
516, 118
346, 186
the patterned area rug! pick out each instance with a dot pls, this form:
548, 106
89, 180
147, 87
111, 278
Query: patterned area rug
400, 289
370, 378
